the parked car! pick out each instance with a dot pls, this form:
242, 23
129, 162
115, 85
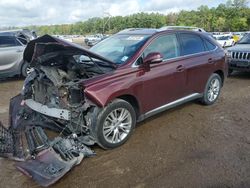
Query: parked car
12, 45
238, 35
101, 93
94, 39
225, 40
239, 55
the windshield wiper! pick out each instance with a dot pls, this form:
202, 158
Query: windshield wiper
96, 64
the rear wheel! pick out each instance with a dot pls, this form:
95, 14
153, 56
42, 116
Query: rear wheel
212, 89
26, 69
115, 124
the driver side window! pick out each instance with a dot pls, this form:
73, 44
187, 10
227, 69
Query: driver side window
167, 45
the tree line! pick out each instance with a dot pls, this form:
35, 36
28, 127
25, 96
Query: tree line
234, 15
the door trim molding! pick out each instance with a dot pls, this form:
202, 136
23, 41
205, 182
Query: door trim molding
170, 105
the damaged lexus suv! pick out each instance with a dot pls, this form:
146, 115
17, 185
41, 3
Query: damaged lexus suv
104, 91
98, 95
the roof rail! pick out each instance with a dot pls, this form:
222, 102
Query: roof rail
134, 29
182, 28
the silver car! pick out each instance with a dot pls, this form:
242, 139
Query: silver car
12, 45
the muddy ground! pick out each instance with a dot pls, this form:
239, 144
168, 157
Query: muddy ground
189, 146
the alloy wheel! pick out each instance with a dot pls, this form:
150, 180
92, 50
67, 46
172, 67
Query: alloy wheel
29, 70
117, 125
214, 89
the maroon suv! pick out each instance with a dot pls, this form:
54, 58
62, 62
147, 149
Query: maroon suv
98, 95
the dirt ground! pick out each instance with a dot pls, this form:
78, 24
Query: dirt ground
189, 146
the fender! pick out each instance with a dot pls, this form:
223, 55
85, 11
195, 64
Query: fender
104, 92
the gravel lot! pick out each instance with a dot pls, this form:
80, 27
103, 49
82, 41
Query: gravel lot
189, 146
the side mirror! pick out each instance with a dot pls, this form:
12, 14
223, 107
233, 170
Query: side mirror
153, 58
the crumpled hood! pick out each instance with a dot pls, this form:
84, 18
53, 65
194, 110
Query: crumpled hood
240, 48
48, 44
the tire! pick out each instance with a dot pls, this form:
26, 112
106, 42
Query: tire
110, 131
26, 69
212, 90
230, 72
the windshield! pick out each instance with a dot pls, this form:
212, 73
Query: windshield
119, 48
245, 40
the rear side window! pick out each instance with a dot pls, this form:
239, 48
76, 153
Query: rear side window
210, 46
167, 45
191, 44
7, 41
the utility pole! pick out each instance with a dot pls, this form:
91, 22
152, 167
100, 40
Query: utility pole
105, 23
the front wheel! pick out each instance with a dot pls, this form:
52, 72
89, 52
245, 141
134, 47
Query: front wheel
115, 124
212, 89
230, 72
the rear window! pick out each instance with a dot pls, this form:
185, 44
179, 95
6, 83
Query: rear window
7, 41
210, 46
22, 39
191, 44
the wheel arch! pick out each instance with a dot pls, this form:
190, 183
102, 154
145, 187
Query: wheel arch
221, 74
20, 66
133, 101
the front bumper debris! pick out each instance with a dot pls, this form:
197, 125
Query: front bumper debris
6, 142
43, 159
52, 112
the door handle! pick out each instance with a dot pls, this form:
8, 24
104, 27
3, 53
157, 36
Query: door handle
210, 61
180, 68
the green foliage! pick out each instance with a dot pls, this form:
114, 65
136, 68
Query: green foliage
232, 16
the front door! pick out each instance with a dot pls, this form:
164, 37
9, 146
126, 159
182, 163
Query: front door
10, 52
165, 81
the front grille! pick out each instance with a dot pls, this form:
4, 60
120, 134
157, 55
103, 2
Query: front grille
240, 55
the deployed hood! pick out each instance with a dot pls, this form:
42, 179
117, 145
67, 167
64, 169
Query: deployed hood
240, 48
49, 44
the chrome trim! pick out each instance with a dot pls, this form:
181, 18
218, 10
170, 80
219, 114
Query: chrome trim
172, 104
239, 55
52, 112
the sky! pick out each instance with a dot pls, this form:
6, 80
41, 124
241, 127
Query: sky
46, 12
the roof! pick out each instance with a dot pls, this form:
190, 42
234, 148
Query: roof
25, 32
151, 31
182, 28
7, 33
139, 31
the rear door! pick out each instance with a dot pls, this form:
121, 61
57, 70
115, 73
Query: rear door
11, 52
165, 81
198, 62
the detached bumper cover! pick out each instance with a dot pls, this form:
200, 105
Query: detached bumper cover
47, 168
47, 160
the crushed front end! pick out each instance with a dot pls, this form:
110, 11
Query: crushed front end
52, 99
